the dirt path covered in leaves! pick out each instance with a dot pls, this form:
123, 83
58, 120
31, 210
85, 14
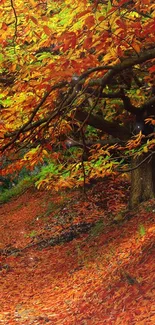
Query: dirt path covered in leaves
70, 260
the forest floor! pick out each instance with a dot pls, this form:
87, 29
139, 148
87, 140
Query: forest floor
70, 259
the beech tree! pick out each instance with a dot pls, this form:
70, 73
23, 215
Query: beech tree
77, 88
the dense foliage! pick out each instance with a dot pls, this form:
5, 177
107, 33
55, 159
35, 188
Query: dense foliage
76, 86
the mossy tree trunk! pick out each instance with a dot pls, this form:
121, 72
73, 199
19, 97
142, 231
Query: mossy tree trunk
142, 181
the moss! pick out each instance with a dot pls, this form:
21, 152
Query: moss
18, 189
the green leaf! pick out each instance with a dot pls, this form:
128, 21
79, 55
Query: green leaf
142, 231
6, 102
1, 57
109, 6
33, 233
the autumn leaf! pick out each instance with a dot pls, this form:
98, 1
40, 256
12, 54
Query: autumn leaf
152, 69
47, 30
136, 47
35, 21
90, 21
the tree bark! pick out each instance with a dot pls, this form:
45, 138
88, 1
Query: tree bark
142, 181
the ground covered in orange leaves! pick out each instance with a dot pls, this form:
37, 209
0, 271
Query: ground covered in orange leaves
70, 259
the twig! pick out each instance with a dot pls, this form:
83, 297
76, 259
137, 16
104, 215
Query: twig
16, 23
141, 163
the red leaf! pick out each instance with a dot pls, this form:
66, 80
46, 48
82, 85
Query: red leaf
87, 43
4, 26
70, 41
81, 14
90, 21
152, 69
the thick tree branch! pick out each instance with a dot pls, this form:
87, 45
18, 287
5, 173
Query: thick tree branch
108, 127
149, 106
116, 69
7, 80
73, 143
111, 128
127, 103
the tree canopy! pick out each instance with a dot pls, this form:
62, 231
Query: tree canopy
77, 74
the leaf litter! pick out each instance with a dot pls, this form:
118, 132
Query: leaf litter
66, 259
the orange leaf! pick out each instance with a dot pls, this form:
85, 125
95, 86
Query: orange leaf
136, 47
47, 30
35, 21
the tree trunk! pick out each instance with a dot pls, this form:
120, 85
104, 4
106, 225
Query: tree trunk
142, 181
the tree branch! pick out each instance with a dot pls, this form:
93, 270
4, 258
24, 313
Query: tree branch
111, 128
28, 126
108, 127
73, 143
114, 70
137, 166
16, 22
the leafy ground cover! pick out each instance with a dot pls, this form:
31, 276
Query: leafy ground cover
71, 259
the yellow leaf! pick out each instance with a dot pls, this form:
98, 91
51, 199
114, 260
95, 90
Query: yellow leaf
145, 149
32, 2
45, 153
118, 217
